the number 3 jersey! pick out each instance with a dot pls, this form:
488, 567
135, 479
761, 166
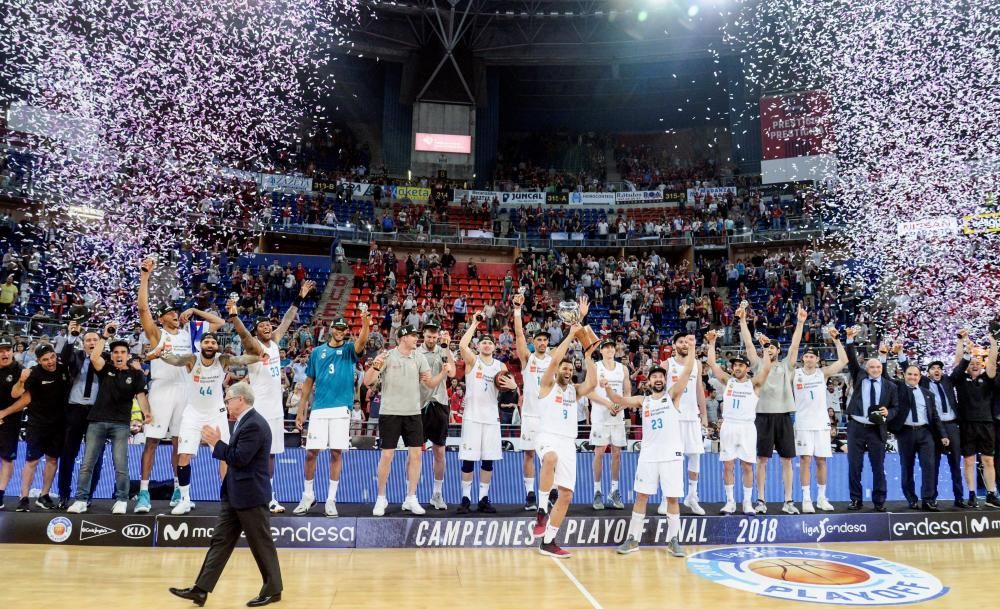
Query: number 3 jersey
661, 431
739, 402
810, 400
206, 392
559, 411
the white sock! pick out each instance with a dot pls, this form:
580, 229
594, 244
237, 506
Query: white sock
467, 489
821, 491
730, 493
614, 486
144, 485
411, 499
438, 486
529, 485
597, 487
550, 533
185, 493
272, 490
484, 490
543, 501
309, 489
748, 494
806, 494
673, 525
692, 491
381, 498
635, 525
332, 493
177, 482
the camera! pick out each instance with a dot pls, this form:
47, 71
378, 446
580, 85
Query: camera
479, 318
995, 329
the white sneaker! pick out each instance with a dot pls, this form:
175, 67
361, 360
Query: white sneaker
694, 506
807, 507
437, 502
748, 509
275, 507
182, 508
78, 507
789, 508
412, 505
662, 510
305, 505
120, 507
380, 504
729, 508
330, 509
824, 505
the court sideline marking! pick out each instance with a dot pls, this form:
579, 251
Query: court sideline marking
586, 593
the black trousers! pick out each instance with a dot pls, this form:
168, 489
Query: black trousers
916, 442
76, 431
255, 522
863, 438
954, 454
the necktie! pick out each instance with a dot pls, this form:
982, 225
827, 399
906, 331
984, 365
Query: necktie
89, 385
913, 406
944, 399
872, 400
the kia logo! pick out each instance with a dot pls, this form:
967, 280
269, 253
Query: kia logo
136, 531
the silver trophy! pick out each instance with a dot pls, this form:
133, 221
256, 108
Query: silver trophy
234, 296
363, 307
569, 313
521, 290
745, 304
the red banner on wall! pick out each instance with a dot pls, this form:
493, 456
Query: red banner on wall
795, 124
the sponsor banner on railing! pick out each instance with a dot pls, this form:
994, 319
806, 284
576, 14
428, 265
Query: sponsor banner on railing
563, 236
287, 532
557, 198
273, 181
715, 191
358, 189
522, 197
414, 193
591, 198
944, 525
77, 529
474, 195
632, 196
943, 225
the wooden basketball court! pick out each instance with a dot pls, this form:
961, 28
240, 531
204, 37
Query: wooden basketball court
94, 577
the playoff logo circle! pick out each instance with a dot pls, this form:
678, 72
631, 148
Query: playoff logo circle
814, 575
59, 529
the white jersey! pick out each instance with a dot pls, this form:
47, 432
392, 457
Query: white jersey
689, 399
532, 377
559, 411
179, 344
206, 396
810, 400
600, 415
661, 430
481, 395
739, 403
265, 380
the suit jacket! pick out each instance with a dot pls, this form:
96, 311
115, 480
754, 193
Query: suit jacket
247, 483
73, 357
888, 398
898, 422
947, 382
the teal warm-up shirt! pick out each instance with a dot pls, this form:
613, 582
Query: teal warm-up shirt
332, 372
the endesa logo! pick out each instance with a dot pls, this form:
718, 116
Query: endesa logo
928, 527
816, 576
298, 534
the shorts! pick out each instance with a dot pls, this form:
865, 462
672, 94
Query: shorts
190, 431
480, 442
775, 431
610, 433
10, 433
44, 440
530, 427
977, 438
691, 437
167, 403
565, 450
813, 443
738, 440
653, 475
392, 427
328, 432
435, 422
277, 426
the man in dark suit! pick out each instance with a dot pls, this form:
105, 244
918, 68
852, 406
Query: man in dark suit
917, 428
246, 491
873, 402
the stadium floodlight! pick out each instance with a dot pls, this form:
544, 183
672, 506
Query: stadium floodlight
693, 10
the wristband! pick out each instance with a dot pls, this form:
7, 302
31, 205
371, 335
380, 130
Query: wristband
297, 301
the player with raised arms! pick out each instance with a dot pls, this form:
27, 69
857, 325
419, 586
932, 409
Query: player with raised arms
533, 366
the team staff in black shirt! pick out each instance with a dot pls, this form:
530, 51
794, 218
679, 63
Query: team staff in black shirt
12, 378
976, 390
47, 391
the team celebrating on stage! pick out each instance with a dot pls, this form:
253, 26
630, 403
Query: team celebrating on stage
768, 404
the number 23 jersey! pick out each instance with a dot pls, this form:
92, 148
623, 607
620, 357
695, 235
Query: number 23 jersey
661, 431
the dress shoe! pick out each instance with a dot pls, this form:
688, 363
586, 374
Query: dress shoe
930, 506
193, 594
961, 505
260, 601
914, 506
880, 507
855, 505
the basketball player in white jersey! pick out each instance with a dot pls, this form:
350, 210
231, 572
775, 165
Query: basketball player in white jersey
533, 366
693, 418
556, 440
481, 416
265, 375
812, 423
168, 387
661, 460
737, 431
205, 404
607, 423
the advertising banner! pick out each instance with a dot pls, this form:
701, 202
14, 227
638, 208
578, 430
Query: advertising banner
271, 181
414, 193
633, 196
795, 124
77, 529
944, 525
926, 227
288, 532
717, 192
522, 197
591, 198
358, 189
443, 142
477, 196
